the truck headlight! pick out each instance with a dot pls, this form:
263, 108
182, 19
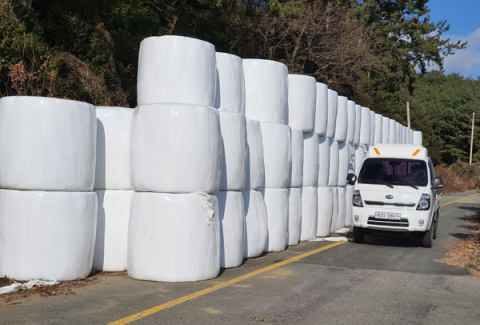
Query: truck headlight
424, 203
357, 199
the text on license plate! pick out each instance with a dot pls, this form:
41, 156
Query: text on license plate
388, 215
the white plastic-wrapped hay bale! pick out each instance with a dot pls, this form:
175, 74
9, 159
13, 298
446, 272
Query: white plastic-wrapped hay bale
351, 162
302, 92
176, 69
266, 90
256, 223
112, 230
175, 148
47, 235
323, 160
321, 110
365, 126
334, 164
378, 129
351, 121
398, 132
325, 211
310, 159
112, 170
392, 137
232, 223
234, 151
309, 213
372, 127
385, 130
418, 138
296, 178
294, 215
332, 113
47, 144
276, 201
349, 206
360, 154
358, 124
343, 162
277, 154
230, 88
174, 237
342, 207
412, 136
335, 215
255, 172
341, 124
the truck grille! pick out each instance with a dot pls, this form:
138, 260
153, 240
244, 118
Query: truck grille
390, 223
409, 205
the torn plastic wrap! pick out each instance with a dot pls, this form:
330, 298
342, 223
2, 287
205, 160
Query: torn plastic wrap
255, 172
342, 212
321, 110
341, 124
332, 113
302, 92
47, 144
277, 154
325, 211
232, 224
418, 138
266, 90
323, 160
385, 130
349, 206
230, 89
276, 201
334, 164
372, 127
310, 159
256, 223
335, 215
112, 170
378, 129
174, 237
392, 138
365, 127
234, 151
47, 235
351, 121
309, 213
176, 69
343, 162
294, 215
175, 148
360, 154
358, 124
112, 230
296, 179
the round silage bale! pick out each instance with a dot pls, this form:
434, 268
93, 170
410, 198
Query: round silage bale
256, 223
392, 137
276, 201
343, 162
378, 129
321, 110
341, 125
335, 215
294, 215
302, 92
334, 163
296, 178
255, 173
351, 121
323, 160
230, 89
365, 126
277, 154
418, 138
360, 155
310, 159
349, 206
358, 124
332, 113
309, 213
385, 130
372, 127
325, 211
342, 212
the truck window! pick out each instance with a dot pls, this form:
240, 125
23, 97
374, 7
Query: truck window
394, 171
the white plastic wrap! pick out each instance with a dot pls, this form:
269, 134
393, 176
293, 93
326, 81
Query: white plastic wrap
418, 138
176, 69
358, 124
351, 162
334, 163
412, 136
302, 92
112, 170
234, 151
266, 90
256, 223
310, 159
175, 148
230, 88
342, 209
276, 201
332, 113
112, 230
232, 223
372, 127
334, 209
309, 213
386, 130
296, 179
294, 215
47, 144
323, 160
349, 206
325, 211
255, 173
174, 237
351, 121
392, 132
341, 124
378, 129
277, 154
365, 126
360, 154
398, 133
321, 110
343, 163
47, 235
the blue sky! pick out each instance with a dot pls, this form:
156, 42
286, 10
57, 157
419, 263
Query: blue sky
464, 19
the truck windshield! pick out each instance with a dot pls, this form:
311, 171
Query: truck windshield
394, 171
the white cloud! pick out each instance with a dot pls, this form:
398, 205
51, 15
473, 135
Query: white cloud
465, 62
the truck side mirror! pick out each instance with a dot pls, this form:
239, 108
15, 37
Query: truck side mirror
351, 179
437, 183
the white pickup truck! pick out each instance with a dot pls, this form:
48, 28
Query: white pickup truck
396, 191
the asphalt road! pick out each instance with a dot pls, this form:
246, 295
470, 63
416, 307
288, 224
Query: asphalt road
384, 280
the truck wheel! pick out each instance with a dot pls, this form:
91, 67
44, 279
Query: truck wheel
435, 229
427, 240
358, 235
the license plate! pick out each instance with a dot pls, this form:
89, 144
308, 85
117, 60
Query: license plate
388, 215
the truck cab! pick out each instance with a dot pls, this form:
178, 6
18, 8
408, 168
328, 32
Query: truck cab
396, 191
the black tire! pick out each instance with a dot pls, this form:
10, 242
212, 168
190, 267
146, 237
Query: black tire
358, 235
427, 240
435, 229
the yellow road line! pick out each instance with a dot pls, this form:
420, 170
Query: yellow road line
208, 290
463, 198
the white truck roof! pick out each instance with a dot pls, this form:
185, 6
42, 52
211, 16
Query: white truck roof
397, 151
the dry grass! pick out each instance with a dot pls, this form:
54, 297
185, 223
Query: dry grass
459, 177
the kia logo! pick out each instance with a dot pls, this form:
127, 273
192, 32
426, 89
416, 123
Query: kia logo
389, 196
